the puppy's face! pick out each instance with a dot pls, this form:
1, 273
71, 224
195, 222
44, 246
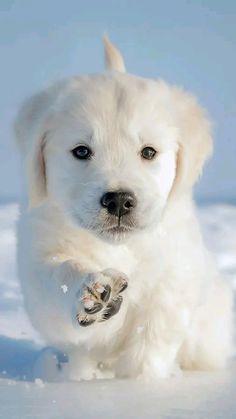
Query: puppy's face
110, 155
105, 148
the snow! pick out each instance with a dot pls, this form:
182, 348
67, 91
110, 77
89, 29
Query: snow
24, 395
64, 288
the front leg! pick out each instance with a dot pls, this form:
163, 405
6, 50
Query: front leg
63, 299
157, 334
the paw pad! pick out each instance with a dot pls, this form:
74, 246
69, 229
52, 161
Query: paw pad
100, 297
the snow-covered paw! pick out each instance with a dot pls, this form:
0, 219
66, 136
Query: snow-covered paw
99, 298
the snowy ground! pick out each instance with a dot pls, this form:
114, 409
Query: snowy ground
195, 395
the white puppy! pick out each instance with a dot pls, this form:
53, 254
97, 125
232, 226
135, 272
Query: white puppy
111, 259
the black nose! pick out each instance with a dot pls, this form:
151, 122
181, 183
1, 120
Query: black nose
118, 203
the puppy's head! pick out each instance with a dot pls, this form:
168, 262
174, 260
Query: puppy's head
111, 149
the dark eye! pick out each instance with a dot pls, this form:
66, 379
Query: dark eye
148, 153
81, 152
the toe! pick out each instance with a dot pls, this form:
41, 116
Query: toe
95, 309
85, 320
105, 295
112, 308
123, 286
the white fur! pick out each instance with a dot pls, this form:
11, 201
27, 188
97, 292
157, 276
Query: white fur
176, 311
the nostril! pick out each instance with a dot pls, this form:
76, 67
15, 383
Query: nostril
110, 201
128, 204
107, 200
129, 201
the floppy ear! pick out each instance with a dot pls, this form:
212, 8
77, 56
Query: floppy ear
36, 170
195, 142
113, 57
30, 131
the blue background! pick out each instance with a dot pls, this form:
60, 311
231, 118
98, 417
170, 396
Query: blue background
186, 42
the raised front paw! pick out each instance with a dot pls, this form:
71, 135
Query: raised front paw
99, 298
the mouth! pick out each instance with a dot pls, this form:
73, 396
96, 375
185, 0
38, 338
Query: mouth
112, 228
118, 230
